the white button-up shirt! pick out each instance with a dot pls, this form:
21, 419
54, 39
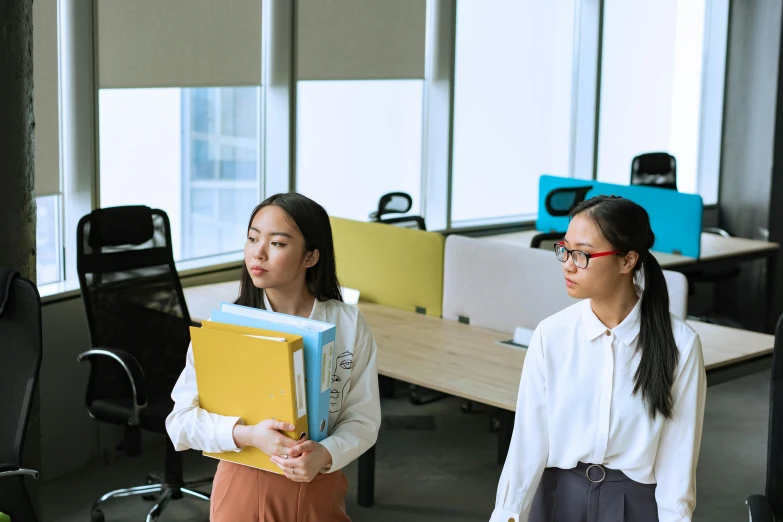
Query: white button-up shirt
355, 412
576, 404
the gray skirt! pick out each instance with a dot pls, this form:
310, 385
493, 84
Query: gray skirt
590, 493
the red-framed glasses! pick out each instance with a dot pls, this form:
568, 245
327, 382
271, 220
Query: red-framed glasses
581, 259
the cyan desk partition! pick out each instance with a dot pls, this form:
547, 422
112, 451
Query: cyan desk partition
675, 217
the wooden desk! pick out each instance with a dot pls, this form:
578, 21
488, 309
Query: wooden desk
467, 361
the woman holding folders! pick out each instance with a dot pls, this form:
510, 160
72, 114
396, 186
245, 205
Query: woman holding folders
289, 268
611, 401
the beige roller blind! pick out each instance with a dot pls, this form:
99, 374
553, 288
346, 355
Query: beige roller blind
178, 43
46, 106
360, 39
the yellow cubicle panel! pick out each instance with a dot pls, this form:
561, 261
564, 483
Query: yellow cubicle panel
390, 265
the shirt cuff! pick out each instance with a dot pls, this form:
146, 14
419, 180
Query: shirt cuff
224, 433
501, 515
334, 450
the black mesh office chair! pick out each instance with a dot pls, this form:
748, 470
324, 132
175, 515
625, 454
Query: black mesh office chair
20, 361
769, 507
138, 322
654, 169
559, 202
397, 203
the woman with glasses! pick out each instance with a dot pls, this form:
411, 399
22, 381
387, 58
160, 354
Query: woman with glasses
611, 401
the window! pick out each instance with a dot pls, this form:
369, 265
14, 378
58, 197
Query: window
47, 239
512, 105
192, 152
655, 87
357, 140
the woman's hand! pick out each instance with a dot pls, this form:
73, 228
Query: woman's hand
305, 461
266, 436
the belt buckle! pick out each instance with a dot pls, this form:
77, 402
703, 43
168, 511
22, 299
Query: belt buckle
587, 473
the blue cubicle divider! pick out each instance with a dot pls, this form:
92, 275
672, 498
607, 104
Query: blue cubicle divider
675, 217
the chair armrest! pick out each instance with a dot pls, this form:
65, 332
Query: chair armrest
20, 472
716, 230
132, 370
760, 510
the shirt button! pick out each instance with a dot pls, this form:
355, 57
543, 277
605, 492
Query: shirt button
511, 520
608, 333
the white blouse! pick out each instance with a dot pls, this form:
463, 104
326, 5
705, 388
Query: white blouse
576, 404
355, 412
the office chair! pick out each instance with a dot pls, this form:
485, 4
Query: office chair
139, 332
560, 202
769, 507
21, 350
397, 203
654, 169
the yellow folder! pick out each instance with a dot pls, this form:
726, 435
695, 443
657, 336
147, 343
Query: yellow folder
240, 373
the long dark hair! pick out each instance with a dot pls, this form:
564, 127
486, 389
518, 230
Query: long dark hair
313, 222
626, 226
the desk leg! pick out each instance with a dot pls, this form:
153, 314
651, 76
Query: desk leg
772, 281
386, 387
366, 485
504, 434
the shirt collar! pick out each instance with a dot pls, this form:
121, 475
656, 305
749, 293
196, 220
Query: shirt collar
268, 306
627, 331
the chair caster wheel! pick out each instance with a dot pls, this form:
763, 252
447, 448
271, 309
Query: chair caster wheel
97, 516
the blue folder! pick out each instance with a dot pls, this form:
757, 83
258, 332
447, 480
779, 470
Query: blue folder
318, 339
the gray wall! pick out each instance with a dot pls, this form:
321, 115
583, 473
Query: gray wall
748, 131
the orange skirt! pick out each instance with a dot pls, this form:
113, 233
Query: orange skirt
243, 494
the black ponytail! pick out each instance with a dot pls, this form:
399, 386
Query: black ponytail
655, 374
626, 226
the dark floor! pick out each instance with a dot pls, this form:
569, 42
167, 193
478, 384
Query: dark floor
449, 472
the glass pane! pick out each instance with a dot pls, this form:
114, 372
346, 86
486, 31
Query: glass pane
203, 110
512, 104
205, 239
152, 152
47, 240
236, 206
203, 160
202, 202
238, 112
651, 86
358, 140
237, 163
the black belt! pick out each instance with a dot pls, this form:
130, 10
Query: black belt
597, 473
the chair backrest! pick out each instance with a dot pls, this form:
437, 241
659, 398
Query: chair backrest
133, 298
774, 489
654, 169
20, 361
561, 201
677, 284
397, 203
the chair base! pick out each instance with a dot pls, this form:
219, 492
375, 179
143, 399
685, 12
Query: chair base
160, 492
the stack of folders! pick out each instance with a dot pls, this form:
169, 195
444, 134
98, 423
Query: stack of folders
260, 365
254, 374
